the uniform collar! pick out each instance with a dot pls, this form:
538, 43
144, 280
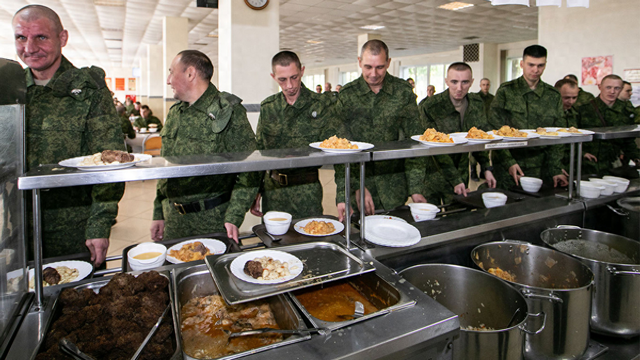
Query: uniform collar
205, 100
445, 98
617, 106
301, 101
524, 87
64, 66
363, 88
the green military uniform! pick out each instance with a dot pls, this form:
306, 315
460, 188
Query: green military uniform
583, 98
141, 122
486, 99
73, 115
127, 128
283, 126
390, 115
520, 107
444, 172
129, 109
215, 123
606, 151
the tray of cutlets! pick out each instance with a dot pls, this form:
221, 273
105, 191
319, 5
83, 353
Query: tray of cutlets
289, 268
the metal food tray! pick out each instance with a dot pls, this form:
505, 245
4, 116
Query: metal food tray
323, 262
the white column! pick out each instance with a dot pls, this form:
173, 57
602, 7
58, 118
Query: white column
362, 39
247, 40
143, 82
155, 80
175, 38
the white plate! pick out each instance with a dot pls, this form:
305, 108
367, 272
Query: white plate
382, 217
560, 134
475, 141
74, 162
361, 146
216, 247
582, 132
302, 223
457, 140
237, 265
533, 132
513, 138
391, 233
84, 269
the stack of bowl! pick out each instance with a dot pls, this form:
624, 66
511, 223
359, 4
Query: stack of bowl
590, 190
609, 186
623, 183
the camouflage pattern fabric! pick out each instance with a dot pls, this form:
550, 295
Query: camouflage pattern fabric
129, 109
390, 115
583, 98
282, 126
606, 151
486, 99
516, 105
444, 172
569, 119
143, 123
73, 115
127, 128
215, 123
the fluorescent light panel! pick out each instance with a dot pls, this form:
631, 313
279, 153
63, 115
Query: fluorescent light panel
372, 27
456, 5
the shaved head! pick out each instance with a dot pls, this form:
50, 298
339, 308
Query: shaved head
33, 12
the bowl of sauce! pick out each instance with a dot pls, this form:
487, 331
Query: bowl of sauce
146, 256
277, 222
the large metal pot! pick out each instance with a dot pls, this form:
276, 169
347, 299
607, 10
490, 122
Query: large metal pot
478, 299
615, 308
554, 284
629, 217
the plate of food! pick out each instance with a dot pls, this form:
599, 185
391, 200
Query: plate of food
106, 160
574, 131
57, 273
266, 267
391, 233
194, 249
477, 136
318, 227
338, 145
455, 140
548, 133
512, 134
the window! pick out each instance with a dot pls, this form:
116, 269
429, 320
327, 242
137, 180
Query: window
348, 76
514, 70
311, 81
425, 76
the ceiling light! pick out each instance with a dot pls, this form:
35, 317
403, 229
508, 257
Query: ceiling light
109, 2
372, 27
456, 5
314, 42
212, 35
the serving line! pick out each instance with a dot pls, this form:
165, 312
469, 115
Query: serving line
615, 132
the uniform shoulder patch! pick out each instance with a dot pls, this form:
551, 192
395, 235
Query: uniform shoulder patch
269, 99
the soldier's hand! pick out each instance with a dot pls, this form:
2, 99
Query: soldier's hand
491, 181
560, 180
98, 249
590, 157
369, 207
255, 208
341, 211
232, 231
157, 230
516, 173
461, 189
418, 198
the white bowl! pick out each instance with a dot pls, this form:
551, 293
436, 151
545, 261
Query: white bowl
153, 129
139, 264
609, 186
423, 211
590, 190
277, 222
530, 184
493, 199
143, 129
623, 183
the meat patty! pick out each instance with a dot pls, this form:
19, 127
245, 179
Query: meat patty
109, 156
200, 248
51, 276
253, 269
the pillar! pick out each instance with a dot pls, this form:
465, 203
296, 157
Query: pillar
143, 82
155, 81
175, 38
247, 40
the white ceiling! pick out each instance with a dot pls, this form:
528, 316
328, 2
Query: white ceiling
112, 33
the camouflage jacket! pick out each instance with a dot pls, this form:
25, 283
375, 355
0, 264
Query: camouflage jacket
127, 128
129, 109
439, 113
73, 115
606, 151
583, 98
215, 123
282, 126
516, 105
486, 99
390, 115
141, 122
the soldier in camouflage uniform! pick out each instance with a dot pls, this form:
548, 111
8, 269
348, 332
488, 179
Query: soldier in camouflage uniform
569, 94
69, 113
487, 98
606, 110
583, 96
379, 107
527, 103
293, 118
127, 128
204, 121
128, 105
453, 110
146, 118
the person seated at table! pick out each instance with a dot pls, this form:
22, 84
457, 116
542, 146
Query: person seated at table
128, 105
146, 118
135, 111
127, 128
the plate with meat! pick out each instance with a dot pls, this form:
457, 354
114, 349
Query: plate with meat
318, 227
57, 273
266, 267
194, 249
106, 160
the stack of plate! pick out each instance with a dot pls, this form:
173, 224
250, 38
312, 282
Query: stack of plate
389, 232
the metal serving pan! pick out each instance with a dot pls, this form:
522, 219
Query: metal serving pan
196, 281
323, 262
379, 292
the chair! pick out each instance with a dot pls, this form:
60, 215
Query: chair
152, 145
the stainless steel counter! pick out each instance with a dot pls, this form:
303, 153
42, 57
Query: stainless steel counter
616, 132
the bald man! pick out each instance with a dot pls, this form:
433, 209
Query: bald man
69, 113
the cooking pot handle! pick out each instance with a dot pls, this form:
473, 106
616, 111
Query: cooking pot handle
613, 271
568, 227
551, 297
618, 211
544, 323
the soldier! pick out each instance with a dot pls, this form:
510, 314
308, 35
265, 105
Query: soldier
627, 91
69, 113
204, 121
127, 128
583, 96
327, 88
527, 103
136, 109
569, 94
411, 82
486, 97
431, 90
338, 88
128, 105
319, 89
379, 107
293, 118
606, 110
146, 118
453, 110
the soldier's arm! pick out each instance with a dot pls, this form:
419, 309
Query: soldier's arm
498, 117
161, 190
413, 124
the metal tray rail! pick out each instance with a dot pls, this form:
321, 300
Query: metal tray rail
323, 262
